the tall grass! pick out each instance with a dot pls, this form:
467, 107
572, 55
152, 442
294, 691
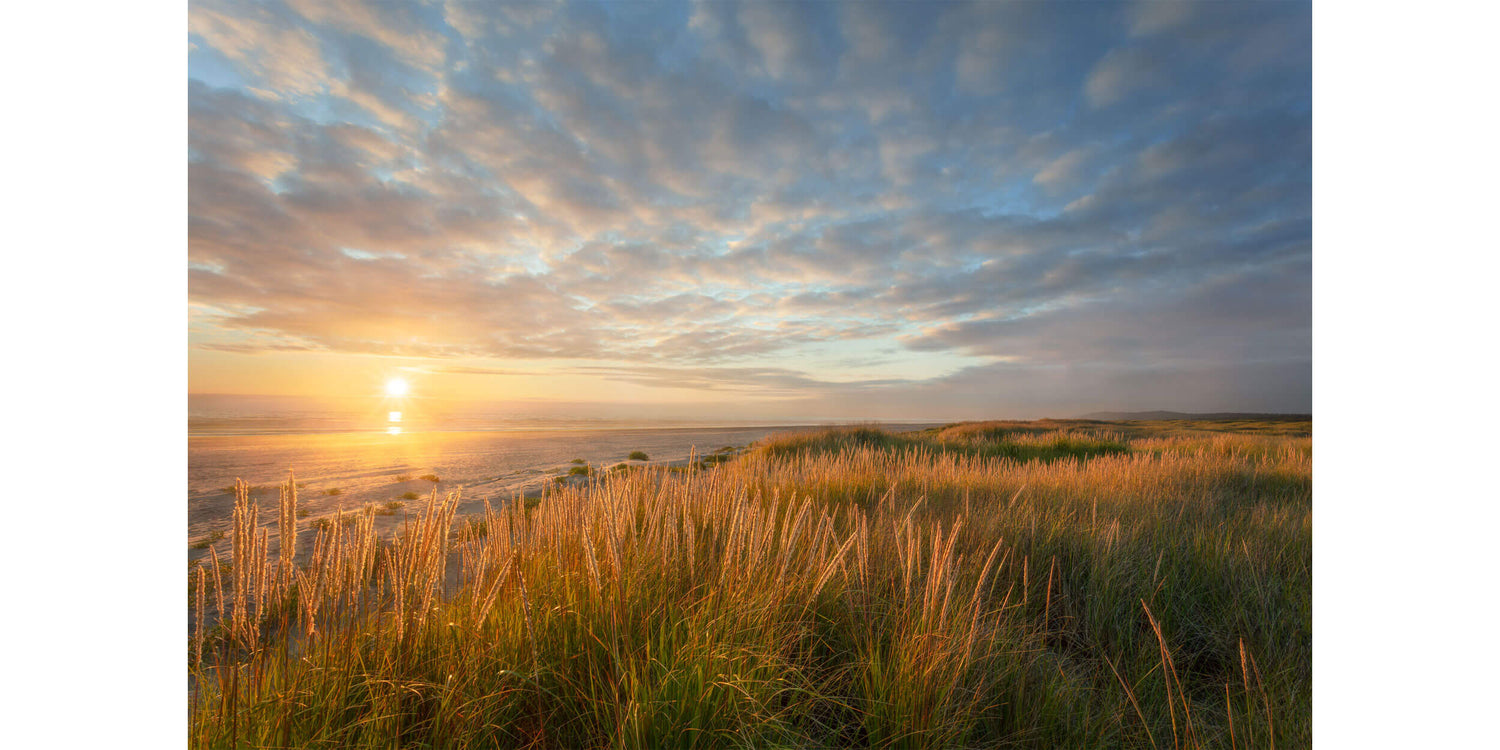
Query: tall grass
847, 588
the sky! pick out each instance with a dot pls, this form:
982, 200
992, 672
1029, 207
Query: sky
756, 210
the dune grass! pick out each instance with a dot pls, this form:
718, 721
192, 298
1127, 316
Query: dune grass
973, 586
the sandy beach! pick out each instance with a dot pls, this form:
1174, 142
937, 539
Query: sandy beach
379, 468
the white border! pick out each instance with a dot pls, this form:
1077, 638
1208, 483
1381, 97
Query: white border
1404, 376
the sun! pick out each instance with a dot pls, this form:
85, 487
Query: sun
396, 387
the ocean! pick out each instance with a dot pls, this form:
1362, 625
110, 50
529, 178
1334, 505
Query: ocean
354, 453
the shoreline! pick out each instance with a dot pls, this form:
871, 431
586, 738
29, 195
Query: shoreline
364, 469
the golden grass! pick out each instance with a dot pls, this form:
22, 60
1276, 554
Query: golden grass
847, 588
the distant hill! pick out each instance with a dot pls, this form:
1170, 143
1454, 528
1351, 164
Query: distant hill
1165, 415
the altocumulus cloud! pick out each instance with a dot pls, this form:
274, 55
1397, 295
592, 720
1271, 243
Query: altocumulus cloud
1013, 207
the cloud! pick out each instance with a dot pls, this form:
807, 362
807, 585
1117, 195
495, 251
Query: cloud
746, 198
285, 58
498, 371
766, 382
1120, 73
393, 25
1155, 16
1063, 169
784, 36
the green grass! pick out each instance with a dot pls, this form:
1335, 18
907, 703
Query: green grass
471, 529
410, 496
327, 524
207, 541
1030, 585
1022, 441
639, 456
254, 489
580, 471
712, 460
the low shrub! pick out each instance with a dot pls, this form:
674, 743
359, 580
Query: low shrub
207, 541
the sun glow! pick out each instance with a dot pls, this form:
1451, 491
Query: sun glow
396, 387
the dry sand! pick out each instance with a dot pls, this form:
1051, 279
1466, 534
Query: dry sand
369, 468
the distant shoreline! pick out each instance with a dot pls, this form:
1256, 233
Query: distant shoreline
1167, 416
568, 428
